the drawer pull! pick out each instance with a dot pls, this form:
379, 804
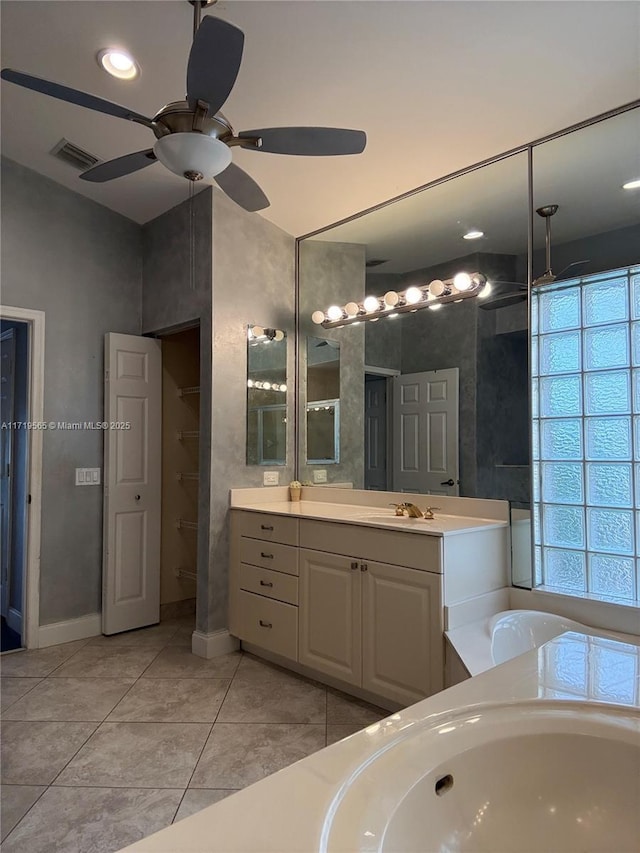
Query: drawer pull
364, 567
354, 566
266, 527
265, 624
266, 556
266, 583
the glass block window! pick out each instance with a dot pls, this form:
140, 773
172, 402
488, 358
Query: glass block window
585, 355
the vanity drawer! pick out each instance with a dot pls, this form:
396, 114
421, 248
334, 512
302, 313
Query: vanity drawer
272, 528
269, 555
269, 624
414, 550
272, 584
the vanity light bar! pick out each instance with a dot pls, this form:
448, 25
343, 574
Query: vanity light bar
433, 295
266, 386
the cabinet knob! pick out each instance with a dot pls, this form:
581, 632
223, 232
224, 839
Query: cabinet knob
364, 567
265, 624
354, 567
266, 583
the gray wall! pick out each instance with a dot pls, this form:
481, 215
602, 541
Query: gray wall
81, 264
334, 273
253, 282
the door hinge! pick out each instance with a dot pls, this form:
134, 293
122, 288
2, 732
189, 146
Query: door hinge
106, 376
28, 499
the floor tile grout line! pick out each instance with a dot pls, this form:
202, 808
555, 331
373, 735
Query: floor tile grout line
38, 798
39, 680
204, 746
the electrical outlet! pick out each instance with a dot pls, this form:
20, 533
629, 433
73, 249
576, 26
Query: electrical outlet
320, 475
270, 478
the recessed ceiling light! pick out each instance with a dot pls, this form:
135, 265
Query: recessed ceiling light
473, 235
632, 185
118, 63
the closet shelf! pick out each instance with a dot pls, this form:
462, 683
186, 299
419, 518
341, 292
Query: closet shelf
190, 389
185, 434
186, 525
181, 476
185, 573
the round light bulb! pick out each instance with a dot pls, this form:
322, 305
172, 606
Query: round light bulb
266, 386
279, 335
118, 63
462, 281
283, 387
334, 312
257, 331
371, 304
474, 234
486, 291
437, 287
249, 383
352, 309
413, 295
391, 299
317, 317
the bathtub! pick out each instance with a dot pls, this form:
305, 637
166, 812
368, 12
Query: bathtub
484, 644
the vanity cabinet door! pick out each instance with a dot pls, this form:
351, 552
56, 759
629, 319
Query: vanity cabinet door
330, 616
402, 632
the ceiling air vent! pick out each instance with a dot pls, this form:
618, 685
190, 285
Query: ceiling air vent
375, 262
70, 153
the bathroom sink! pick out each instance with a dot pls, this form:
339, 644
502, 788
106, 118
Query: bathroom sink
518, 778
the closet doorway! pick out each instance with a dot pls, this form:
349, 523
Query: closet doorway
180, 471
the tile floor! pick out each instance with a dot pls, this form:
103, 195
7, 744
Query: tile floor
107, 740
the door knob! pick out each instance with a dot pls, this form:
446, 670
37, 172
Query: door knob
137, 497
448, 482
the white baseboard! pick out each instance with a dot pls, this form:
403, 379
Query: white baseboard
69, 630
213, 644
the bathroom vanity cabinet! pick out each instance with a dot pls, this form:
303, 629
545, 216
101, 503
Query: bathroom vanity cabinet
358, 606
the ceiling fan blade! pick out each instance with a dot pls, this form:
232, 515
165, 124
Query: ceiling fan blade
308, 141
214, 62
119, 167
241, 188
572, 269
72, 96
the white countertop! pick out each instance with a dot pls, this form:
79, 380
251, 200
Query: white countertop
285, 812
371, 516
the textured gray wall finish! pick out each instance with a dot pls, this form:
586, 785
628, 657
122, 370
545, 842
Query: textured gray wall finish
81, 264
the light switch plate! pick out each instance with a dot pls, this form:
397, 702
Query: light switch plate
87, 476
270, 478
320, 475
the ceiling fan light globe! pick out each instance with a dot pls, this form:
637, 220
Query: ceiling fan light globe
192, 153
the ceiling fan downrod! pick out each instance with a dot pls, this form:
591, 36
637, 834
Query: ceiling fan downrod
198, 6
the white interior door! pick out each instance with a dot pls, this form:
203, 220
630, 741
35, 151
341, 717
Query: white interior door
425, 412
132, 487
7, 393
375, 434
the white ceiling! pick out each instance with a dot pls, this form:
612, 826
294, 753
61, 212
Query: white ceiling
436, 86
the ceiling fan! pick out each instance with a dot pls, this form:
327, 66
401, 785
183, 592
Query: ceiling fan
193, 138
506, 293
547, 277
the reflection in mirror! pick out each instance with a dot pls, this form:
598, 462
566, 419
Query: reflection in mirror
266, 396
323, 401
584, 358
433, 401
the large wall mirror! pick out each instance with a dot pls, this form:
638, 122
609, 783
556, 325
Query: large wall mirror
585, 360
432, 401
266, 396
